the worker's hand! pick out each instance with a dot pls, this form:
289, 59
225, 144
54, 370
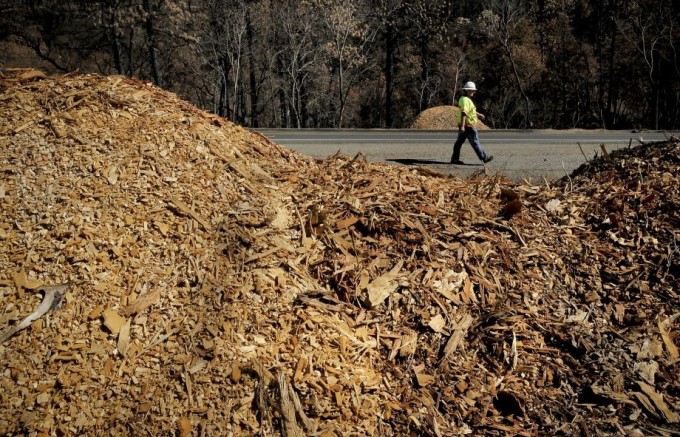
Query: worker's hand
461, 128
481, 116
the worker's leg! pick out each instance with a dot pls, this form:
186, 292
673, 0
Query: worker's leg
457, 146
472, 136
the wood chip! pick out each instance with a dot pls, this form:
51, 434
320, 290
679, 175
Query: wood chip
114, 321
658, 402
141, 303
331, 294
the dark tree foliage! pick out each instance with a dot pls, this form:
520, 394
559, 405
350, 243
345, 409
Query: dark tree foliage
611, 64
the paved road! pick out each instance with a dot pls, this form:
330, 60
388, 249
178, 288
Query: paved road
519, 155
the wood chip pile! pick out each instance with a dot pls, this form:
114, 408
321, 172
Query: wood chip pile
440, 118
164, 271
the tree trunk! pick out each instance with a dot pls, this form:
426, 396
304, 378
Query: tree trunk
130, 51
527, 117
223, 107
253, 82
151, 37
115, 40
390, 48
221, 102
424, 73
304, 111
341, 85
612, 86
656, 85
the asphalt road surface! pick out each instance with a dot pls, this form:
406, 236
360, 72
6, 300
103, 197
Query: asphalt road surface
520, 155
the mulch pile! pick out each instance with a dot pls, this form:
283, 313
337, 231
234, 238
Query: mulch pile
440, 118
213, 283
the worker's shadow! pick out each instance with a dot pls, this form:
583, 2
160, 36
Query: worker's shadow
406, 161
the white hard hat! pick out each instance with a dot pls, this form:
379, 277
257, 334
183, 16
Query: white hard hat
470, 86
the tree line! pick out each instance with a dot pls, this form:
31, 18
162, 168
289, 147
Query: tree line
376, 63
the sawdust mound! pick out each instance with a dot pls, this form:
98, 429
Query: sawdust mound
440, 118
217, 284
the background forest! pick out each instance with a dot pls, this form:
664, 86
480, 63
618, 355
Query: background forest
372, 63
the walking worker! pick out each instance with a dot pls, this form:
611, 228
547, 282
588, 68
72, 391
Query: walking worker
466, 126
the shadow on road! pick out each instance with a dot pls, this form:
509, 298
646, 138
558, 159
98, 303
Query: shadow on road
405, 161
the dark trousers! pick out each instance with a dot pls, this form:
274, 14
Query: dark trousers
471, 135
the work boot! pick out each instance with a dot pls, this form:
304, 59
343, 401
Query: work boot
457, 162
489, 158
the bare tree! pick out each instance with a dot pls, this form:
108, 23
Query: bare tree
458, 54
427, 22
387, 15
646, 26
348, 46
151, 41
221, 48
296, 56
505, 20
314, 62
